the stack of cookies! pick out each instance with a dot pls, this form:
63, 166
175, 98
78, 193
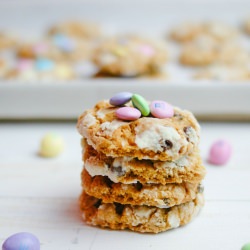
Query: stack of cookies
142, 167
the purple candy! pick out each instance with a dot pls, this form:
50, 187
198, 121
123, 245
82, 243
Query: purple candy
161, 109
21, 241
128, 113
120, 98
220, 152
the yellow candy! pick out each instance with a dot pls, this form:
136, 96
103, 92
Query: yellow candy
51, 145
120, 51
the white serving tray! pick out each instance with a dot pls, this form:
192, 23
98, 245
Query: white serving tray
53, 100
209, 100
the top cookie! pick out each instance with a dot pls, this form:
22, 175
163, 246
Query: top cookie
144, 138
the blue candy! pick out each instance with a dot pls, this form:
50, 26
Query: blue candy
64, 43
43, 64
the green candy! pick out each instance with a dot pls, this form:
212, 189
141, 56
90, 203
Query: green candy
140, 103
246, 246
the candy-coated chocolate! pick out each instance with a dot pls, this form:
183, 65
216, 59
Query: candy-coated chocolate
120, 51
40, 48
120, 98
161, 109
21, 241
146, 50
128, 113
246, 246
220, 152
24, 64
64, 43
51, 145
43, 64
140, 103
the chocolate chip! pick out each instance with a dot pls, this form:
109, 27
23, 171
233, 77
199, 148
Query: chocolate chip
187, 130
166, 201
108, 182
138, 186
98, 204
118, 208
118, 170
179, 116
200, 188
168, 144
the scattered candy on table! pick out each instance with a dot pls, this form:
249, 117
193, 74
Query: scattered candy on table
220, 152
51, 145
21, 241
246, 246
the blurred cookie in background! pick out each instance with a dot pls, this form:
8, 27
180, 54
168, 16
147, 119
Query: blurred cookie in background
77, 29
189, 31
222, 72
40, 70
246, 26
130, 56
199, 52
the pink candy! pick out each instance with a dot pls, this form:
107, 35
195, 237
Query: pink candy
161, 109
146, 50
220, 152
128, 113
24, 64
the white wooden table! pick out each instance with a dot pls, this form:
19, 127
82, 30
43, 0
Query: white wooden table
41, 195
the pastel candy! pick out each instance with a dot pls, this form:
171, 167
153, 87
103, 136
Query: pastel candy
40, 48
220, 152
64, 43
140, 103
128, 113
146, 50
44, 64
246, 246
21, 241
120, 98
51, 145
161, 109
24, 64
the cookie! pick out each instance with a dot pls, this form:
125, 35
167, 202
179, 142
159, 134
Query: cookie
186, 32
246, 26
130, 56
128, 170
3, 67
7, 41
232, 53
144, 219
189, 31
224, 73
220, 31
59, 48
78, 29
149, 194
40, 70
145, 138
201, 51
